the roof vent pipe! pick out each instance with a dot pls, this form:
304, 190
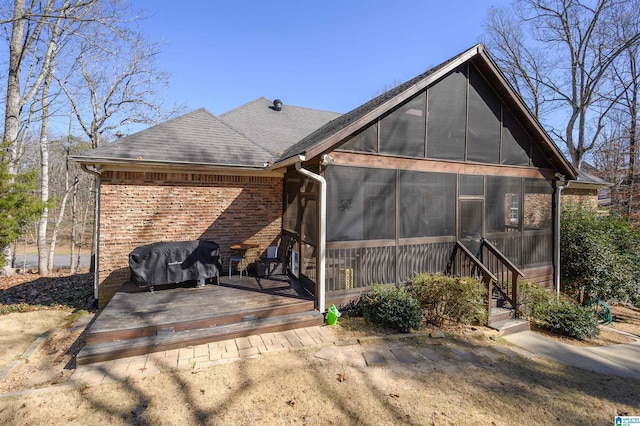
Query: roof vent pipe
277, 105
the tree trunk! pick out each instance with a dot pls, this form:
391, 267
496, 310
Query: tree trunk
12, 104
82, 231
74, 221
43, 267
56, 226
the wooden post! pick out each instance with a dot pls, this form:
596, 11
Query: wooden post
514, 291
487, 281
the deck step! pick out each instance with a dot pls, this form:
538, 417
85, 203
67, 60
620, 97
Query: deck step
501, 314
510, 326
96, 335
166, 340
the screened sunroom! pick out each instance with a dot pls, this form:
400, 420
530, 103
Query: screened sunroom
449, 156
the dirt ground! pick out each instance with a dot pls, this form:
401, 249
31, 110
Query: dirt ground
298, 387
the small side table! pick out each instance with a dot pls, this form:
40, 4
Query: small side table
241, 259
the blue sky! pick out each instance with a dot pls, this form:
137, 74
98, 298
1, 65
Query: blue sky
329, 55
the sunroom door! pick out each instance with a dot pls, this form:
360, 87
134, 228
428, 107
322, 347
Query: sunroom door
470, 223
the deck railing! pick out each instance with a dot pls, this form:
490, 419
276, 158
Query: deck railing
463, 263
505, 271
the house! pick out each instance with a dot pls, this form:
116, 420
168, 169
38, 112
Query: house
371, 196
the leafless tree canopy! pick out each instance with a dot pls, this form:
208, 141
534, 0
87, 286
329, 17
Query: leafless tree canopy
562, 56
83, 59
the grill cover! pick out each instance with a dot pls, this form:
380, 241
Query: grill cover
174, 262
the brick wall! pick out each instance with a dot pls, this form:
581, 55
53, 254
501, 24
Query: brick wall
587, 197
138, 208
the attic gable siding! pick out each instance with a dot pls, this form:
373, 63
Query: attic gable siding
465, 121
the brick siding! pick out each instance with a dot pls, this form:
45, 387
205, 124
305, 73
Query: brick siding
585, 197
138, 208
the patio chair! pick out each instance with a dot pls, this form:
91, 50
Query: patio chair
276, 260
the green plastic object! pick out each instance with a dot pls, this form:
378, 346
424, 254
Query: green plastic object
332, 315
602, 310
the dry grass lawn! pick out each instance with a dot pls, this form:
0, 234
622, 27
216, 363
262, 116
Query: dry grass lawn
298, 388
468, 378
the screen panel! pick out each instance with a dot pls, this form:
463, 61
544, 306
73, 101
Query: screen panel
402, 131
504, 204
484, 121
516, 144
446, 124
292, 183
364, 141
538, 204
427, 204
471, 185
360, 203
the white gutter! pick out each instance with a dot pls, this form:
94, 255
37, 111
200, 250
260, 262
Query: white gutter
96, 228
559, 190
288, 162
322, 233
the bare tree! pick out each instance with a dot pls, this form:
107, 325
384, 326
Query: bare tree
107, 72
106, 97
561, 52
30, 23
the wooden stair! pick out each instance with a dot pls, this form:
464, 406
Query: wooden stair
504, 319
169, 338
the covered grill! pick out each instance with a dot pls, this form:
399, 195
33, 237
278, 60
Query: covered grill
175, 261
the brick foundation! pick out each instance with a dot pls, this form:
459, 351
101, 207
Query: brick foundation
138, 208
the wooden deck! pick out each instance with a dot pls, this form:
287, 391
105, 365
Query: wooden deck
137, 321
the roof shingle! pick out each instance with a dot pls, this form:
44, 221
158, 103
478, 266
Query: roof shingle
196, 137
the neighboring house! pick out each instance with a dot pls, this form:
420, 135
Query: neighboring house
371, 196
589, 190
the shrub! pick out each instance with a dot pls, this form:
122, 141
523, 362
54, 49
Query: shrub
391, 307
571, 319
599, 255
456, 299
534, 300
563, 317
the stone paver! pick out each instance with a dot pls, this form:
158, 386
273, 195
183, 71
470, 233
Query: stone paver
327, 353
463, 354
404, 356
374, 358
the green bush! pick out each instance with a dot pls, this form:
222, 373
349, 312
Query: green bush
391, 307
534, 300
444, 298
599, 255
564, 317
571, 319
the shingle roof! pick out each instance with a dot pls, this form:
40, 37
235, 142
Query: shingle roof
197, 137
276, 130
588, 178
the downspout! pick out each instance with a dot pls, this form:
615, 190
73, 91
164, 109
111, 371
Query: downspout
322, 233
559, 190
96, 227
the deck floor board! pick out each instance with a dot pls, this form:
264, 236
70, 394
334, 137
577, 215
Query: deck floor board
135, 308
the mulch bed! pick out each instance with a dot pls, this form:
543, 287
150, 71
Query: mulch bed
30, 292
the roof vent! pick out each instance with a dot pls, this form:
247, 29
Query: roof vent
277, 105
